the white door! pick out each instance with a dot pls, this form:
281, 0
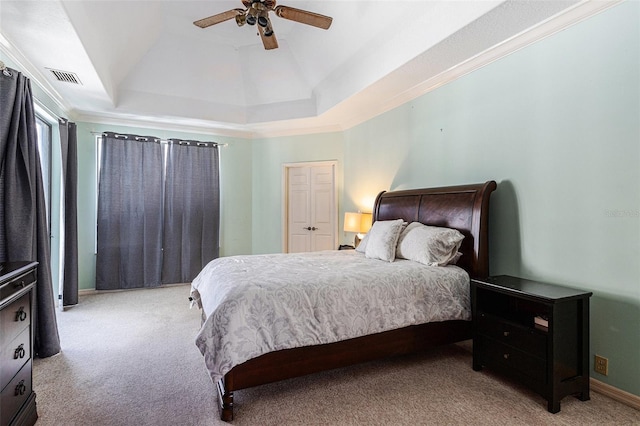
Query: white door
311, 223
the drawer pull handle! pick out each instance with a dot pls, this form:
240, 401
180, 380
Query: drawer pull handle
21, 315
20, 388
506, 356
19, 352
20, 284
505, 333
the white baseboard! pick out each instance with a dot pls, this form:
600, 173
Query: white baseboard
86, 291
614, 393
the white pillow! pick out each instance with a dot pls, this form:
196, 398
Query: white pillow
363, 244
383, 238
430, 245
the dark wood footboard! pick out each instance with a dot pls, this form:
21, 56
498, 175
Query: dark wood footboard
289, 363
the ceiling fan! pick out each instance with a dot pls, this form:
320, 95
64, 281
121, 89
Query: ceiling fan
257, 12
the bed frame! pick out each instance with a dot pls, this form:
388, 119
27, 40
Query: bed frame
465, 208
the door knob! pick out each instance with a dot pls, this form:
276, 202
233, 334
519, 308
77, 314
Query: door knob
308, 228
314, 228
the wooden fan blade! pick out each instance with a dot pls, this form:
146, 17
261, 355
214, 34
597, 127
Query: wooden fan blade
220, 17
269, 42
303, 16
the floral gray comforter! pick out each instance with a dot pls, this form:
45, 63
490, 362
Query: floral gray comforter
256, 304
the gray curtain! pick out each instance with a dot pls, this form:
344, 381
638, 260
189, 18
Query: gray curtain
68, 145
129, 213
191, 209
24, 234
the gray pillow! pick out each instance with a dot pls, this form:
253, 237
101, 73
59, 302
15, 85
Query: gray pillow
430, 245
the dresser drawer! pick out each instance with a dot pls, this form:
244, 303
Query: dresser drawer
14, 355
497, 354
14, 318
11, 287
15, 394
526, 339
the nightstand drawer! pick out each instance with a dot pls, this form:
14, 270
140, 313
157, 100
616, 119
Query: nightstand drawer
14, 318
15, 394
14, 355
497, 354
523, 338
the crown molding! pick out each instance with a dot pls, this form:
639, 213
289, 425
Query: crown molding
563, 20
166, 123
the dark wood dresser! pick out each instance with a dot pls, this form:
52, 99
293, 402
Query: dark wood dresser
535, 333
17, 289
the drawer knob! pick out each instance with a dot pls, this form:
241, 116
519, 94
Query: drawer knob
505, 333
20, 284
19, 352
20, 388
21, 315
506, 356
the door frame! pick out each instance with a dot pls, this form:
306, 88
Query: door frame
285, 198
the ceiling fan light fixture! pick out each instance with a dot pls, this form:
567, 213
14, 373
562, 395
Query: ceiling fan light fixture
263, 21
268, 31
252, 16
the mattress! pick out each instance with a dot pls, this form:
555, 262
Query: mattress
255, 304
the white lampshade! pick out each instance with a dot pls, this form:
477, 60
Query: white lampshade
359, 223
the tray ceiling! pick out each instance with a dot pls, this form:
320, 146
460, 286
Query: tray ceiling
145, 61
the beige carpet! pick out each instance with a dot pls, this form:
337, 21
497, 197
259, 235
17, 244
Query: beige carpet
129, 358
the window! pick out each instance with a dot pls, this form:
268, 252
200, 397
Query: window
48, 139
43, 130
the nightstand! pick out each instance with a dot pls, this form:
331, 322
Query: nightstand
533, 332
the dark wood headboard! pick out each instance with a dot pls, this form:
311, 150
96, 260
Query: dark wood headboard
464, 207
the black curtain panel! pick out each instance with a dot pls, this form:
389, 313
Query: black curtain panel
191, 209
129, 213
24, 231
69, 145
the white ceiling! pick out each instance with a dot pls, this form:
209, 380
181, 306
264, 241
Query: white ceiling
144, 63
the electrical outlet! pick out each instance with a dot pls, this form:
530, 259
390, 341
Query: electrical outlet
601, 365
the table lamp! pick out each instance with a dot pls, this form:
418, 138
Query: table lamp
360, 223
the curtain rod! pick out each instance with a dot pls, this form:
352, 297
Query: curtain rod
224, 145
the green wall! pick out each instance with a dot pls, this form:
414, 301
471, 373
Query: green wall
557, 126
269, 157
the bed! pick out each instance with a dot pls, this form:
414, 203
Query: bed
258, 358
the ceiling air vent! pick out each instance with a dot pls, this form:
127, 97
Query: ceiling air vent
65, 76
